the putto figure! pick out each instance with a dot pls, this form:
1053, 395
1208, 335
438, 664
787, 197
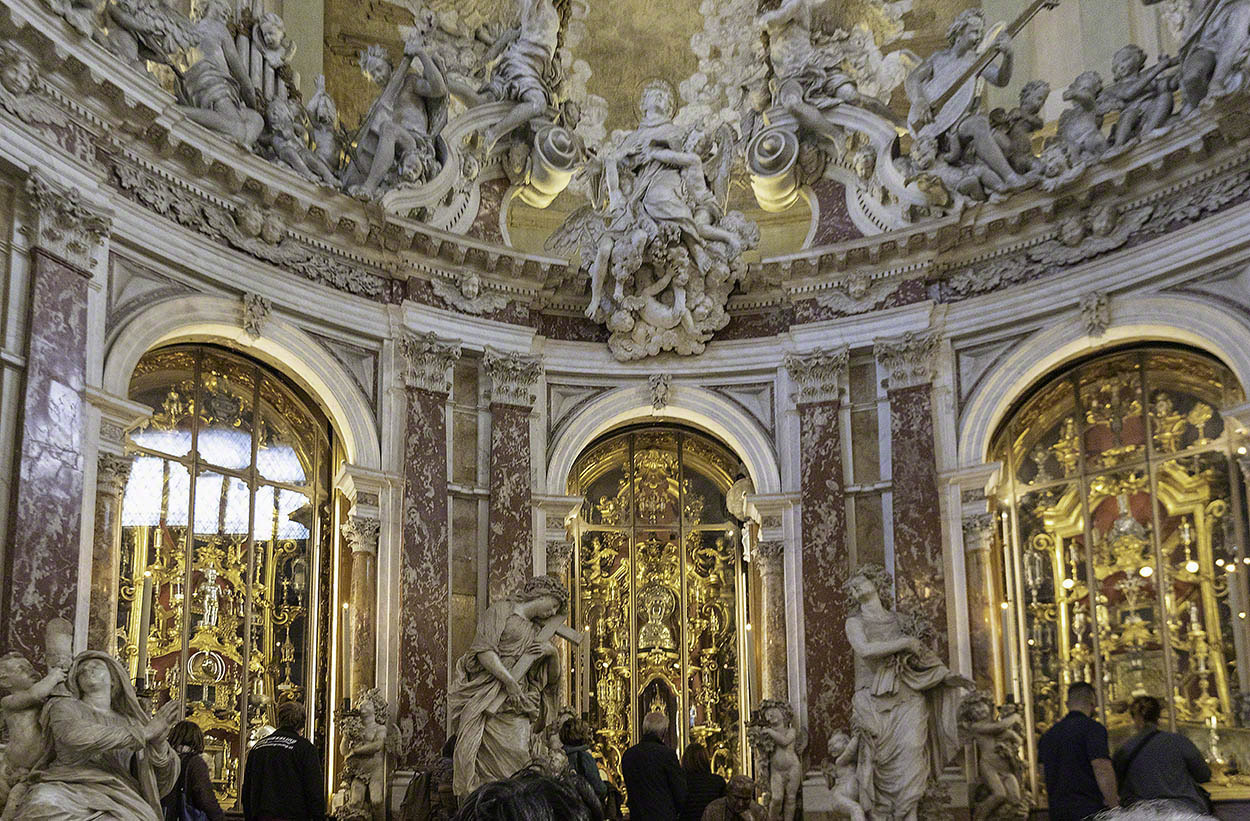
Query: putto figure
998, 742
506, 687
367, 738
777, 743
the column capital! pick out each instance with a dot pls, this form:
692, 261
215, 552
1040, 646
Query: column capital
63, 224
978, 531
770, 554
117, 416
908, 360
426, 358
818, 374
559, 553
512, 376
112, 471
361, 533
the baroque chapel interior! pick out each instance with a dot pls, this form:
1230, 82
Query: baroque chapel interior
809, 357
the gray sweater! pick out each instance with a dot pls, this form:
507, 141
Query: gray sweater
1169, 767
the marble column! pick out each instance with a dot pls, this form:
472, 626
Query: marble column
908, 362
983, 622
770, 557
41, 580
818, 377
361, 533
112, 471
509, 538
423, 629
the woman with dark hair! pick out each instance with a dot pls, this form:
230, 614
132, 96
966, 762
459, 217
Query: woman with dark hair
575, 736
1155, 765
703, 786
194, 785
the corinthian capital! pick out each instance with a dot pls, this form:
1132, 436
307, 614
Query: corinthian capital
770, 554
112, 471
426, 360
908, 360
63, 225
361, 533
512, 376
818, 373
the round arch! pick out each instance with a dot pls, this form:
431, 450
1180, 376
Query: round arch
1139, 319
693, 405
283, 346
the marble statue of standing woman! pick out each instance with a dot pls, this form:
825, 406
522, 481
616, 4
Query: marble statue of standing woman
506, 685
905, 705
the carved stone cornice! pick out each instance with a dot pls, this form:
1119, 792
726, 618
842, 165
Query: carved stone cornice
512, 376
63, 225
426, 360
361, 533
907, 360
112, 471
818, 374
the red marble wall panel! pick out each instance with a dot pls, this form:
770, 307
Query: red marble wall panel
917, 524
41, 580
422, 711
509, 538
830, 665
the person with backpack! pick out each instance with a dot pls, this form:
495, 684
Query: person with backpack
575, 736
1155, 765
192, 798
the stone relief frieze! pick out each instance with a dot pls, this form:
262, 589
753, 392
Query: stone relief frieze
468, 294
64, 224
249, 229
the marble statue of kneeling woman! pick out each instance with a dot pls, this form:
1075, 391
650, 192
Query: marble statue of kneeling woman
104, 757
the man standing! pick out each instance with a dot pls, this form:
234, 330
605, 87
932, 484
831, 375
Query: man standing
1076, 762
738, 803
655, 783
282, 778
1155, 765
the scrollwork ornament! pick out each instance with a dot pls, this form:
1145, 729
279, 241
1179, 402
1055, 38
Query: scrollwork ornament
1096, 313
64, 225
909, 359
818, 373
426, 360
256, 312
512, 375
661, 387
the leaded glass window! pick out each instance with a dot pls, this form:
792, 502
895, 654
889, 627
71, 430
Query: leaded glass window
221, 522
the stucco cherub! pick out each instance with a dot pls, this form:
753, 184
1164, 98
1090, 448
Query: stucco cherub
366, 741
777, 743
997, 741
840, 773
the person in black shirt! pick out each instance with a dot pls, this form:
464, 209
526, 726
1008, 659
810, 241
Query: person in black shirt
1076, 762
703, 785
1155, 765
282, 779
655, 784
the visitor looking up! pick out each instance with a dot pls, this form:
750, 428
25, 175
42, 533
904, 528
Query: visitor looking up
282, 777
655, 783
194, 787
1076, 763
1154, 764
738, 804
703, 785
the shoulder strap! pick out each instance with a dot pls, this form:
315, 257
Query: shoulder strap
1123, 770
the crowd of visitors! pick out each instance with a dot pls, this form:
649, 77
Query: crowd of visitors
1154, 773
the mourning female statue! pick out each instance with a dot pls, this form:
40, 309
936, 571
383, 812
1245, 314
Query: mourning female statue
104, 757
905, 704
506, 685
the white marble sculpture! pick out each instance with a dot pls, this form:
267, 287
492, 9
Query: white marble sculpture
905, 703
102, 754
521, 64
368, 736
841, 775
397, 140
998, 742
777, 743
658, 231
1214, 56
506, 686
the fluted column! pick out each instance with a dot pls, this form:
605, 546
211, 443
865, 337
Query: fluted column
772, 577
818, 377
424, 583
40, 581
509, 539
908, 362
361, 533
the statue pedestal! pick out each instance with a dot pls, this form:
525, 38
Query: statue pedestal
818, 799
